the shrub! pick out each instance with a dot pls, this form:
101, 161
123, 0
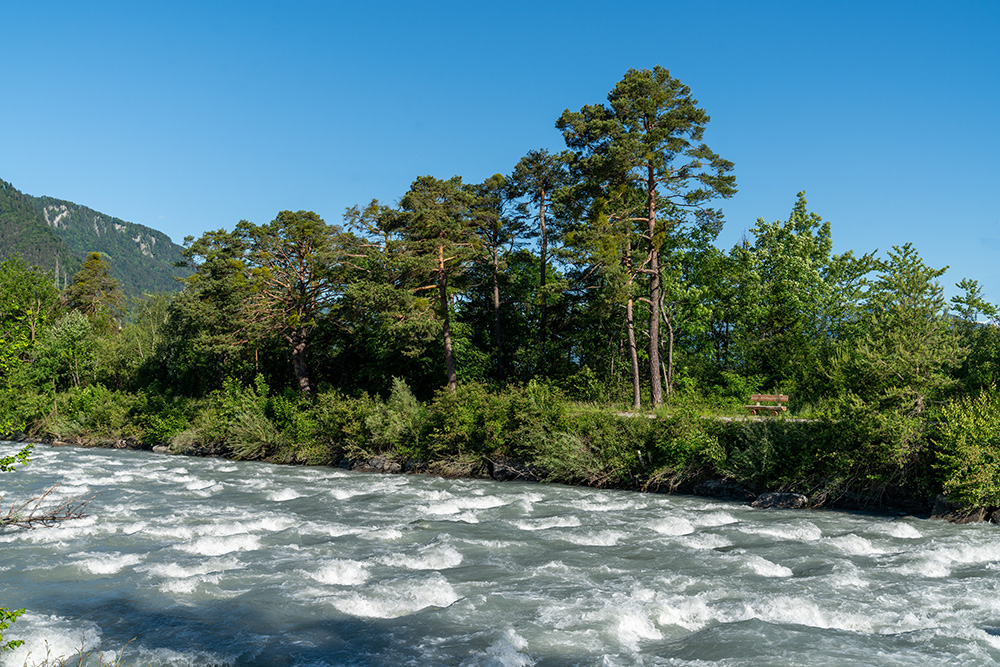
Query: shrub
469, 421
400, 423
598, 449
681, 448
341, 428
968, 450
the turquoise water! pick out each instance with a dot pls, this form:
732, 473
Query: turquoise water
214, 562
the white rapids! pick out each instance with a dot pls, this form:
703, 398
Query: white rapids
210, 562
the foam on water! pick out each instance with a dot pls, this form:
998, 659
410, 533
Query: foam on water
459, 505
346, 494
802, 611
217, 546
798, 531
282, 495
432, 557
342, 572
605, 505
398, 598
855, 545
61, 534
548, 522
200, 568
937, 560
504, 652
199, 484
901, 530
688, 612
165, 657
704, 541
847, 575
713, 518
549, 573
598, 538
384, 535
329, 529
672, 525
764, 567
107, 563
49, 637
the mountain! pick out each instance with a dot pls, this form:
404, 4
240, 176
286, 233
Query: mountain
23, 232
44, 230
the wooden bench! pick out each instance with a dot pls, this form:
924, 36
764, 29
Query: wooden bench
770, 403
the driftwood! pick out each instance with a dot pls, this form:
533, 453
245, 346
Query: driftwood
31, 513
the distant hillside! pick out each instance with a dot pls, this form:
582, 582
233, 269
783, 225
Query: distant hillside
23, 232
42, 228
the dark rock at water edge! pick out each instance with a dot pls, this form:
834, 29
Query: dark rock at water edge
383, 464
784, 501
723, 489
955, 513
508, 469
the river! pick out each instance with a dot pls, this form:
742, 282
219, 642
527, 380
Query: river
214, 562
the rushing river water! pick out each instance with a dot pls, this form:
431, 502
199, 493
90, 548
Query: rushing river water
214, 562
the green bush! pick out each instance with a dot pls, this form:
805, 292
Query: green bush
398, 425
341, 428
160, 418
531, 413
598, 449
94, 411
968, 450
681, 448
469, 421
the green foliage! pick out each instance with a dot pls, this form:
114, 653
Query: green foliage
8, 616
341, 428
398, 424
9, 463
791, 298
858, 452
604, 449
903, 351
24, 233
94, 411
95, 293
143, 260
249, 433
66, 353
968, 446
464, 422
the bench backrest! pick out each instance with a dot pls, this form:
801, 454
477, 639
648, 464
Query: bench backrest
780, 398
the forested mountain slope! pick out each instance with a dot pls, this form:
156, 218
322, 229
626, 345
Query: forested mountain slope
23, 232
43, 228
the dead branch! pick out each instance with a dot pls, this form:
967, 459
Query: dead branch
31, 513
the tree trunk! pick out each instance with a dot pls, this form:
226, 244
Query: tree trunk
497, 330
449, 355
543, 262
299, 343
654, 294
633, 356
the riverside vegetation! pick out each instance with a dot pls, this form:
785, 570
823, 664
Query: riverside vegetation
516, 327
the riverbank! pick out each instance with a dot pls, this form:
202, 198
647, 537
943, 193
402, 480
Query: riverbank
697, 483
852, 458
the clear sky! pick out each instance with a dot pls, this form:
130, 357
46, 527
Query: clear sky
189, 116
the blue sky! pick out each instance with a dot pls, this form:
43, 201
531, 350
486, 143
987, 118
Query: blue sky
189, 116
